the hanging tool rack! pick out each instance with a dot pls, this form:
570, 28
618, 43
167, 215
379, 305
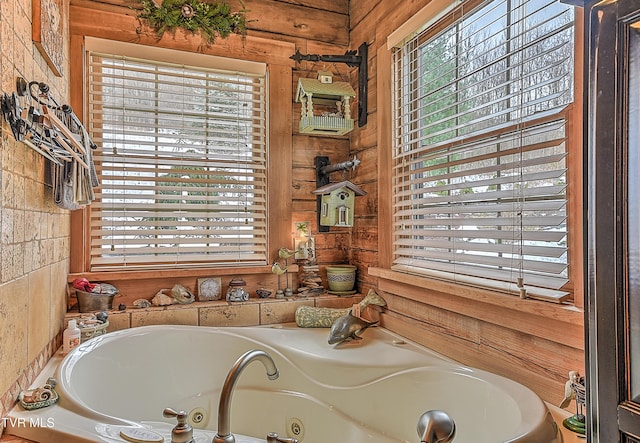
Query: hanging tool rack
54, 131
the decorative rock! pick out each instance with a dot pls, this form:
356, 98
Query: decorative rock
309, 278
182, 295
104, 288
141, 303
162, 299
102, 316
263, 293
122, 307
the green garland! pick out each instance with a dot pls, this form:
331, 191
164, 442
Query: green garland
209, 19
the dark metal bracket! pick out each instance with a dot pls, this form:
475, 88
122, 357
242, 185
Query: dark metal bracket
354, 59
321, 180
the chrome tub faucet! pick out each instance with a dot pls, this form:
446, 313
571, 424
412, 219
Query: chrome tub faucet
224, 434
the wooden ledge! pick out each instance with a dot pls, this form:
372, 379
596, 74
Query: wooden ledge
564, 312
254, 312
559, 323
174, 273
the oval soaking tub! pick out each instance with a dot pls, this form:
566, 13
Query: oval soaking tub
372, 390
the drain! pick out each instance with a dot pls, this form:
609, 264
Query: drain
295, 428
197, 417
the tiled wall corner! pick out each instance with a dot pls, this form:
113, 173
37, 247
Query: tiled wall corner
119, 320
34, 233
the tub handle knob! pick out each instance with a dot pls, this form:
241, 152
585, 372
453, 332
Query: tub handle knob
182, 432
272, 437
436, 427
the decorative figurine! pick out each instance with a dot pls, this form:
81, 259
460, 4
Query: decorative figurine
39, 397
575, 390
319, 317
286, 254
348, 327
277, 269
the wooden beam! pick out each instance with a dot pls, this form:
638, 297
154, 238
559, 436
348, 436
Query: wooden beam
270, 16
121, 27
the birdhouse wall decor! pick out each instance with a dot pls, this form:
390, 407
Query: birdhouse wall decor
325, 105
337, 203
352, 58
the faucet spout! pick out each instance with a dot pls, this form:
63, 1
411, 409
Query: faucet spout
224, 434
436, 427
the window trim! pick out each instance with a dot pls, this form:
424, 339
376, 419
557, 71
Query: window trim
100, 54
280, 96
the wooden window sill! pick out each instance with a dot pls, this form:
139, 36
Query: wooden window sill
174, 273
561, 323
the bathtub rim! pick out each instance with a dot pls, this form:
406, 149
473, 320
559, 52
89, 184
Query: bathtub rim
56, 362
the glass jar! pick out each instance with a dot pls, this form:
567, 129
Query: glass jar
237, 290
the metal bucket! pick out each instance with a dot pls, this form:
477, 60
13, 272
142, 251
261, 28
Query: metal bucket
90, 301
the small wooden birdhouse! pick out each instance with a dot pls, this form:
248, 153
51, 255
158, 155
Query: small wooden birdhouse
325, 105
338, 201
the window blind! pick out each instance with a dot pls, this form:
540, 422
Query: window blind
480, 147
182, 164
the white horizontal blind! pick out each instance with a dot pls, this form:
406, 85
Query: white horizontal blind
479, 143
182, 161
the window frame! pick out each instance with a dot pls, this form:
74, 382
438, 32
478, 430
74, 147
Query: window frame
161, 69
432, 16
279, 98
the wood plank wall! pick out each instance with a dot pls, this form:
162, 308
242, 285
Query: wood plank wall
533, 342
487, 334
276, 29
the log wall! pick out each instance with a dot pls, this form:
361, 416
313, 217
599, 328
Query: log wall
536, 343
533, 342
276, 29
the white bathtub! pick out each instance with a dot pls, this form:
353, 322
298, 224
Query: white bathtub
373, 390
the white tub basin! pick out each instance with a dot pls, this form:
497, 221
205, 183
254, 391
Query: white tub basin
373, 390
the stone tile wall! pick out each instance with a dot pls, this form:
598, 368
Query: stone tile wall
34, 233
